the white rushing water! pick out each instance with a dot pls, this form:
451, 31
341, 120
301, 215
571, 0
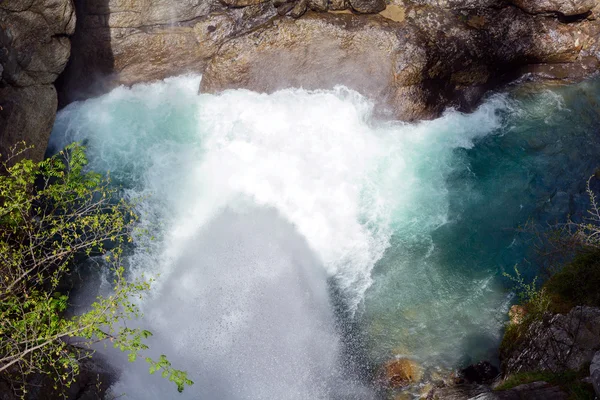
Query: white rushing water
259, 205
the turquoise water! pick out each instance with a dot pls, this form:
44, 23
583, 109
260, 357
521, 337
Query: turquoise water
300, 242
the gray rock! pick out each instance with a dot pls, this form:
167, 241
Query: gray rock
27, 114
285, 8
318, 5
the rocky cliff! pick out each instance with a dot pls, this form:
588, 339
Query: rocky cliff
34, 49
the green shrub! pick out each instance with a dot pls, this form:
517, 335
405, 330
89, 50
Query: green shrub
50, 213
577, 284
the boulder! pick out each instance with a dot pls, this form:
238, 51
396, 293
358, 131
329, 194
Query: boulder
34, 49
414, 59
370, 54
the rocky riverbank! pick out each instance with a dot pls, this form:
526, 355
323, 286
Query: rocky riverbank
551, 346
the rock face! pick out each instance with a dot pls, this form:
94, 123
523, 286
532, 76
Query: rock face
415, 62
414, 58
560, 342
34, 49
320, 51
126, 42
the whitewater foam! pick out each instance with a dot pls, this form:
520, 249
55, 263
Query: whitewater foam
256, 202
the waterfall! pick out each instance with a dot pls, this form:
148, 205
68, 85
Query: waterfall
262, 206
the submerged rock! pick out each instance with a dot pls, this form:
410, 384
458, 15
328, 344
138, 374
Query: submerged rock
400, 373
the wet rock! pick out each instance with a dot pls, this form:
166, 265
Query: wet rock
565, 7
34, 49
457, 392
400, 372
559, 342
92, 383
482, 372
